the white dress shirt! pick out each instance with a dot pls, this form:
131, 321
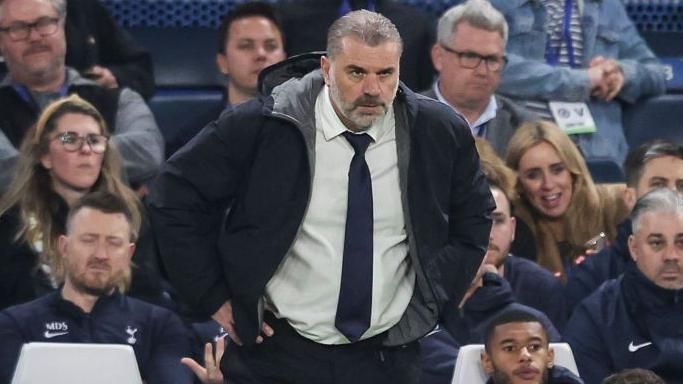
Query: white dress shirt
305, 287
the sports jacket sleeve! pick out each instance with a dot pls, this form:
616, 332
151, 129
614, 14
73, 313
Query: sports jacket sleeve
171, 343
187, 204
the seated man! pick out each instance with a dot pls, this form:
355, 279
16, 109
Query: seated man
469, 56
652, 165
635, 321
34, 47
576, 63
489, 296
96, 252
517, 351
250, 39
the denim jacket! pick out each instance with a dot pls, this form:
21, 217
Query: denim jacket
607, 32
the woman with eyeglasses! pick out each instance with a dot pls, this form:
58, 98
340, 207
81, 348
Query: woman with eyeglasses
65, 155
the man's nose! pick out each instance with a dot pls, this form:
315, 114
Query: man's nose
371, 85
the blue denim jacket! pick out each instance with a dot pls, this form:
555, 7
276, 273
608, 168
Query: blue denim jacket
607, 32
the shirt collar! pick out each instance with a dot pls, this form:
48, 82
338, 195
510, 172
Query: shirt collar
486, 116
332, 126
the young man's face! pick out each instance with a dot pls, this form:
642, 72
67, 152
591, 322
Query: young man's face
518, 353
363, 80
253, 43
661, 172
657, 248
502, 230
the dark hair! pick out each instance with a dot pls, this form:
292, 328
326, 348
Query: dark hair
638, 157
507, 317
105, 202
243, 11
634, 376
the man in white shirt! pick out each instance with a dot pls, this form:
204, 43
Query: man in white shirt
350, 199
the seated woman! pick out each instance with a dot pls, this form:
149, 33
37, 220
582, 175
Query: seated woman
558, 200
65, 155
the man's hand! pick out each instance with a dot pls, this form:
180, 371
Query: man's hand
224, 317
612, 78
211, 373
102, 76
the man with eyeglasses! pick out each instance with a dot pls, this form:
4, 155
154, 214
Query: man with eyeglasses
470, 55
576, 63
33, 43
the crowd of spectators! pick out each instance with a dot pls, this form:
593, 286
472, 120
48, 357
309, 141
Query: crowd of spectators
99, 233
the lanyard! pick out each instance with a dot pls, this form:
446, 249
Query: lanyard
345, 7
553, 54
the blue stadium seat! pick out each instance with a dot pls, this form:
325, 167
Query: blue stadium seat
654, 118
605, 170
180, 114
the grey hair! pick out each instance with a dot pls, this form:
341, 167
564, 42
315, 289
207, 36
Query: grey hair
58, 5
662, 200
371, 28
478, 13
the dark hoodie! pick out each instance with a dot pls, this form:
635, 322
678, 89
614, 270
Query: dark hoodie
629, 322
607, 264
467, 326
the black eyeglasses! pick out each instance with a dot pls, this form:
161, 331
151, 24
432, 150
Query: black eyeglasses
72, 142
45, 26
472, 60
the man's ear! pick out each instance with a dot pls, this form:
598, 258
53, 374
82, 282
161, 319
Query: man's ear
551, 358
222, 63
131, 251
629, 197
62, 245
632, 248
437, 57
513, 224
486, 363
326, 66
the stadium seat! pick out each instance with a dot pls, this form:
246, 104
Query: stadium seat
654, 118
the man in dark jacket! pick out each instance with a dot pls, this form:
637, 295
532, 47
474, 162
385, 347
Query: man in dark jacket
517, 351
357, 213
97, 250
635, 321
652, 165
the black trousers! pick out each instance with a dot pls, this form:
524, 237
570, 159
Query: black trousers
289, 358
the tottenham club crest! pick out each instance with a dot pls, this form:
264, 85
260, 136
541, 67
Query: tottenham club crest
131, 335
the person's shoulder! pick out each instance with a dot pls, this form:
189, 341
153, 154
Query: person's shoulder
525, 267
31, 310
431, 112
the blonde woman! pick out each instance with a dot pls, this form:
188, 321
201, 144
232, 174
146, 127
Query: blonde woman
65, 155
557, 198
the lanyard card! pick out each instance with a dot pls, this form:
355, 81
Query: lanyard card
573, 118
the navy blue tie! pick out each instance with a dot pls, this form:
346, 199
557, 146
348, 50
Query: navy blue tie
355, 295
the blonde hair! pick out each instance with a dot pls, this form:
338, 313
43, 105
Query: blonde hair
591, 210
31, 189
